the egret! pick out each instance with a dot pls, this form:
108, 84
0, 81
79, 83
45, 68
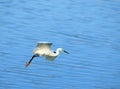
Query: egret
43, 49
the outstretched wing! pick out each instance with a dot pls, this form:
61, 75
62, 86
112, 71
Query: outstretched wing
42, 47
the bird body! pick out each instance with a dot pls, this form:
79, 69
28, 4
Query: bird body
43, 49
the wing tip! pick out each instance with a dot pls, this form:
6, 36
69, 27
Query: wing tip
43, 42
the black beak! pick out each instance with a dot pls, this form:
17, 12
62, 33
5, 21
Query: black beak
66, 52
27, 63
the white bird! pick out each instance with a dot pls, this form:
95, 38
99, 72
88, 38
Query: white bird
43, 49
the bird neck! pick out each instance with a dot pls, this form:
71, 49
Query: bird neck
57, 52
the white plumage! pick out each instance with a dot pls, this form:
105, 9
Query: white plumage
43, 49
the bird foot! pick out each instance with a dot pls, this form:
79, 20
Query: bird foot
27, 64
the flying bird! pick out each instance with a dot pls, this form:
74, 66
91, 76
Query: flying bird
43, 49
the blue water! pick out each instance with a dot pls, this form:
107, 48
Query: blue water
88, 29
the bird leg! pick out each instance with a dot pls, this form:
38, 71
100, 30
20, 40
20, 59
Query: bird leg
27, 63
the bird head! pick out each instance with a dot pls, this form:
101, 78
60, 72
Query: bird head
62, 50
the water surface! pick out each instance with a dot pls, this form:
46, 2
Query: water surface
88, 29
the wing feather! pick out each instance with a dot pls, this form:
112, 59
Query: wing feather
42, 48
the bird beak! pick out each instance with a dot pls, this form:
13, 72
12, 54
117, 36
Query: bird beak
66, 52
